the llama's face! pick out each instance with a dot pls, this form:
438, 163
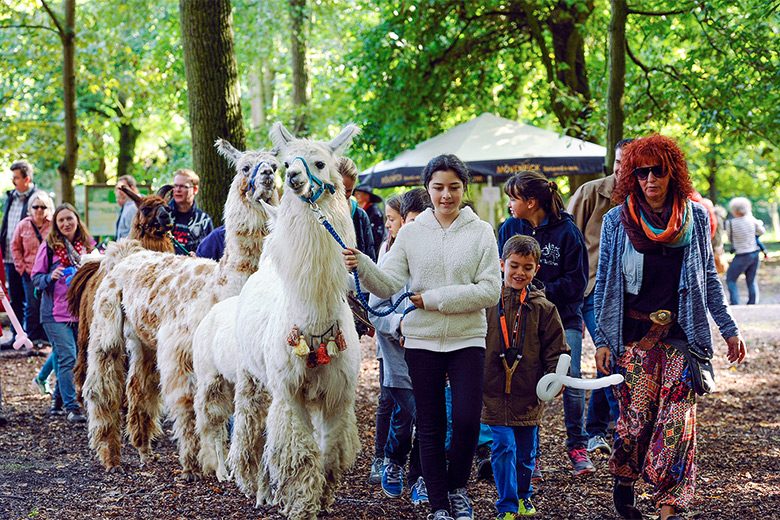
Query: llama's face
321, 164
154, 216
259, 173
256, 168
304, 159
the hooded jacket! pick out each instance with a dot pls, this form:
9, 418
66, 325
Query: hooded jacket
543, 342
564, 262
455, 269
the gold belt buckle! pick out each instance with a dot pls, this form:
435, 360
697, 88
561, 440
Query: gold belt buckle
661, 317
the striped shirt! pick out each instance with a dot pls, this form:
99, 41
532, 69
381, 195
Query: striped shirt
14, 217
742, 232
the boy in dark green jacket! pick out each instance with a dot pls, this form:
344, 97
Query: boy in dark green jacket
524, 340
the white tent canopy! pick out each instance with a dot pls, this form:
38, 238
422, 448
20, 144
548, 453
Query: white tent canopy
493, 147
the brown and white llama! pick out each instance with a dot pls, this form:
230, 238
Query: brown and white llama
151, 227
295, 404
150, 305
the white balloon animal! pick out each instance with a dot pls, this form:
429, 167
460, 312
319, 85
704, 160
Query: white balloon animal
551, 384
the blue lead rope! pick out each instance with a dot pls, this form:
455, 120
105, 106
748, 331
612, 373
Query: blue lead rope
360, 294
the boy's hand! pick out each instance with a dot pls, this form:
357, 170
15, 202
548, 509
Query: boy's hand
603, 360
417, 301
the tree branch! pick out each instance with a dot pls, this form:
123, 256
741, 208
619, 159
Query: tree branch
24, 26
664, 13
53, 16
647, 72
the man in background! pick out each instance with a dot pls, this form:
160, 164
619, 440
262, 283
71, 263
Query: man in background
191, 224
127, 206
15, 210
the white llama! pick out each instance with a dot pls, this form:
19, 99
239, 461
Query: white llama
151, 303
297, 298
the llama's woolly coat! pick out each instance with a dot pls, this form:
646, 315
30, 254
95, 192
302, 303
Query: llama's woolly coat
153, 303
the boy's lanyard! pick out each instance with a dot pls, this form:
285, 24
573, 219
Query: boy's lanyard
509, 341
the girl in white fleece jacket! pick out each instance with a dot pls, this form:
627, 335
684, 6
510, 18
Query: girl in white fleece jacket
449, 259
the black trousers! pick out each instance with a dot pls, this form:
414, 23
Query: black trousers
429, 372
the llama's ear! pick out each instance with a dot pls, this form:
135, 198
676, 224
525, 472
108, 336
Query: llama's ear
342, 141
280, 136
227, 150
130, 193
165, 192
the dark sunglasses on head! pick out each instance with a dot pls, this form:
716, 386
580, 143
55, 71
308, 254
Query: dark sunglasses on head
39, 207
643, 172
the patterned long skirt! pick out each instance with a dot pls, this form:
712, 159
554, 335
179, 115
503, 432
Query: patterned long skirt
656, 431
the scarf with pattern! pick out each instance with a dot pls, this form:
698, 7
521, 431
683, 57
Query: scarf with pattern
650, 231
69, 254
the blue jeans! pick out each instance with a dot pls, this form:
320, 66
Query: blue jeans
602, 407
743, 263
512, 458
384, 411
429, 371
15, 293
401, 441
32, 311
49, 366
573, 398
63, 343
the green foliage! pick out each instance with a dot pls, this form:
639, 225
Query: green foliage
404, 71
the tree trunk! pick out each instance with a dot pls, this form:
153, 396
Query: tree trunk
572, 106
256, 99
214, 100
298, 17
67, 33
128, 134
617, 78
712, 176
100, 173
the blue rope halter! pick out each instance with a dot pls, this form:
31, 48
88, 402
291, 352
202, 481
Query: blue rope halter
314, 180
360, 294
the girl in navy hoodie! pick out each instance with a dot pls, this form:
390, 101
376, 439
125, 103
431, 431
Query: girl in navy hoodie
537, 211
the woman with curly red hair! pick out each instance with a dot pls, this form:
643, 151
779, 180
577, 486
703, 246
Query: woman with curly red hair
656, 281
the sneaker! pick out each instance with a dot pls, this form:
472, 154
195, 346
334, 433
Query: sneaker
440, 514
597, 444
7, 345
461, 505
419, 492
581, 464
536, 475
525, 507
42, 386
375, 477
506, 516
392, 480
75, 417
484, 468
56, 409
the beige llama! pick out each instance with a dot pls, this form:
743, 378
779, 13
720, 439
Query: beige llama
295, 406
150, 305
151, 226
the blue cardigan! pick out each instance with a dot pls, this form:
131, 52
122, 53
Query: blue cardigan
700, 289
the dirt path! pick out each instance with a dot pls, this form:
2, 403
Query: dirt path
47, 470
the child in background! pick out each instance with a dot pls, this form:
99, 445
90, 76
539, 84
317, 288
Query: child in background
524, 340
401, 442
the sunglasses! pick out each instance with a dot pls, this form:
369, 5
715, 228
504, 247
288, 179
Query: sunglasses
39, 207
643, 172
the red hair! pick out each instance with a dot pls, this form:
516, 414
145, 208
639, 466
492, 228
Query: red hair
649, 151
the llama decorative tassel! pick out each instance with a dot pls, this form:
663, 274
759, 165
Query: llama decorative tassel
332, 347
322, 355
302, 348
